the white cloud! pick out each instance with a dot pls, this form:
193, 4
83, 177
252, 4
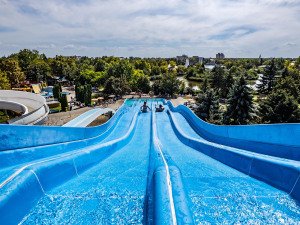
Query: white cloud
239, 28
69, 46
46, 46
290, 44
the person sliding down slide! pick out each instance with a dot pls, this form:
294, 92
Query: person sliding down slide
160, 108
144, 107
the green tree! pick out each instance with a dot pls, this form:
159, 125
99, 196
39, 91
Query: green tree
205, 86
89, 76
64, 67
155, 70
200, 68
121, 69
134, 79
172, 63
140, 82
279, 63
182, 88
181, 70
64, 102
208, 107
240, 106
38, 70
26, 57
83, 93
235, 71
285, 72
109, 86
13, 71
217, 80
4, 82
191, 72
57, 91
251, 75
279, 107
163, 68
156, 87
87, 90
143, 84
143, 65
79, 92
169, 84
290, 85
115, 86
100, 65
227, 85
268, 78
297, 63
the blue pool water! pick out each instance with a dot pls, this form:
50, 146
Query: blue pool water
124, 172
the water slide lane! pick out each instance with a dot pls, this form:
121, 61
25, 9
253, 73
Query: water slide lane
220, 194
171, 201
184, 125
282, 173
111, 192
197, 127
17, 136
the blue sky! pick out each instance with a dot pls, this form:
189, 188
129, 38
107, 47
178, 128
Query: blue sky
145, 28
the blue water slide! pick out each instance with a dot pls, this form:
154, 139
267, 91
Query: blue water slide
86, 118
21, 136
165, 167
13, 159
281, 140
211, 176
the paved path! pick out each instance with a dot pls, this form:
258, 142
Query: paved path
61, 118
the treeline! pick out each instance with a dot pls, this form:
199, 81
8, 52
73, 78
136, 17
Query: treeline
225, 95
112, 75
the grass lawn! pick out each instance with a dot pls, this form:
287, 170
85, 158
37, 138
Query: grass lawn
56, 109
3, 117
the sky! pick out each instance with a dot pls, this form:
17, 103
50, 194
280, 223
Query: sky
151, 28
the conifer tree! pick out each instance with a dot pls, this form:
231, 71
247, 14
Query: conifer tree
64, 102
290, 85
218, 74
228, 83
268, 78
240, 106
285, 72
56, 91
87, 92
279, 107
205, 86
208, 107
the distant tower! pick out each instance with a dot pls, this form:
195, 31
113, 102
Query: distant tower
220, 56
260, 60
